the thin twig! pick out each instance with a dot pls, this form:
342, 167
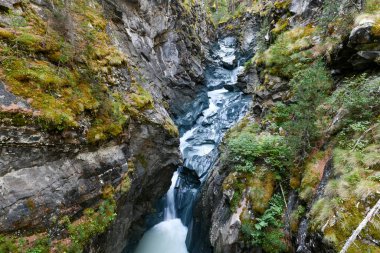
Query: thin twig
283, 195
363, 135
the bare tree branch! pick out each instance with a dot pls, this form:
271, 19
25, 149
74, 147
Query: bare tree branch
363, 135
362, 225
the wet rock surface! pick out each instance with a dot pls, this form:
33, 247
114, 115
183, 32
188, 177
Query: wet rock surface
244, 29
199, 145
211, 211
162, 46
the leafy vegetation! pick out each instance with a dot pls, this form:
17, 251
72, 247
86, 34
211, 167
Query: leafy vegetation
266, 231
249, 148
93, 222
319, 119
310, 88
289, 54
258, 161
90, 225
353, 188
223, 10
358, 97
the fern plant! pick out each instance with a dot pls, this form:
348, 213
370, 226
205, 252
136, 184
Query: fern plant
266, 231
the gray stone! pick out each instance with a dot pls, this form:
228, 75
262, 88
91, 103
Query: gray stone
304, 7
248, 80
7, 99
304, 11
8, 4
370, 55
361, 34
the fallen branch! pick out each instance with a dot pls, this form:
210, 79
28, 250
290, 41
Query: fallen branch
283, 195
363, 135
362, 225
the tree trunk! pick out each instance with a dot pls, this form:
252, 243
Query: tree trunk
362, 224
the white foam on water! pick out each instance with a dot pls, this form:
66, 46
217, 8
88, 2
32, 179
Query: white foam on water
203, 149
166, 237
182, 141
235, 73
214, 97
169, 236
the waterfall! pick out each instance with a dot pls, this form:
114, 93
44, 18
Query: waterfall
168, 236
170, 212
199, 148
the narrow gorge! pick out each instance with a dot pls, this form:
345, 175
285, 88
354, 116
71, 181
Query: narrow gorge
198, 146
215, 126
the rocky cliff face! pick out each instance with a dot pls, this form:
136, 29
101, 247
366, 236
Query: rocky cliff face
242, 206
86, 140
167, 43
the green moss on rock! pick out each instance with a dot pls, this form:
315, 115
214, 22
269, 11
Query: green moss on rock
289, 53
282, 4
75, 235
313, 171
347, 197
281, 26
140, 98
67, 84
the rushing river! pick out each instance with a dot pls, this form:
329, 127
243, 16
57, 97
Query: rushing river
199, 149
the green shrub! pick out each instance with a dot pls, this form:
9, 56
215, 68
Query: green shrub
330, 10
41, 245
12, 244
372, 6
248, 149
266, 231
359, 97
258, 160
310, 88
93, 223
7, 244
357, 100
247, 167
